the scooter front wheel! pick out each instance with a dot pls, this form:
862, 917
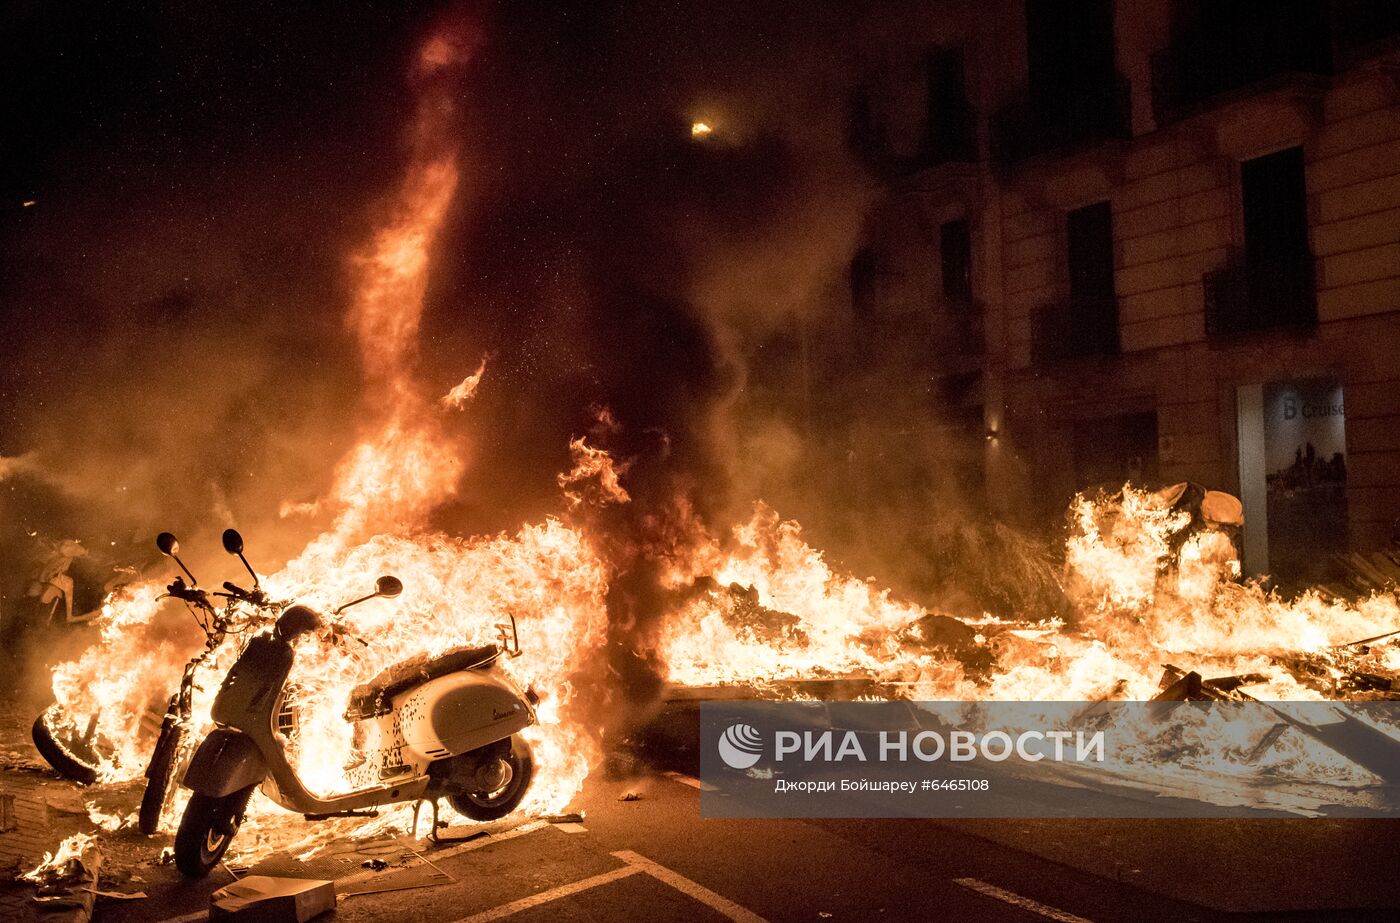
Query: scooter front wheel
160, 776
206, 830
519, 771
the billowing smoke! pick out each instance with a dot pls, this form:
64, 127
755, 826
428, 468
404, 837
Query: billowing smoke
179, 287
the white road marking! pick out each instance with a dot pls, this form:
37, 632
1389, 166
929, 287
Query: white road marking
691, 781
1016, 900
553, 894
635, 864
477, 843
690, 888
571, 828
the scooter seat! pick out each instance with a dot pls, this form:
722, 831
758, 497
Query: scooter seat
374, 697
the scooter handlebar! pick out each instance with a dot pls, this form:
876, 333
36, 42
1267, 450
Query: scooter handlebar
181, 590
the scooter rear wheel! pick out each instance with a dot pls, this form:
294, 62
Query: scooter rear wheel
207, 829
493, 805
61, 743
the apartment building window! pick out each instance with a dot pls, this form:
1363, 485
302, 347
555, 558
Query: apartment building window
950, 124
1222, 45
1075, 93
1085, 322
1093, 303
1271, 284
1278, 265
1275, 208
1356, 23
1069, 48
955, 251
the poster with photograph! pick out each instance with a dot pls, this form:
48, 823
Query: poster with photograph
1305, 461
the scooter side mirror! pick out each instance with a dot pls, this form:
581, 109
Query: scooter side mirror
386, 587
233, 542
169, 547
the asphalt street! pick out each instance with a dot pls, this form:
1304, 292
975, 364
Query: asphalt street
655, 858
642, 850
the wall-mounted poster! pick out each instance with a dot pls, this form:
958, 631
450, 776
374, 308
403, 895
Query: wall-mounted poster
1306, 475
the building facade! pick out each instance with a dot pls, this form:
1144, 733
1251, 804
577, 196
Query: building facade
1151, 241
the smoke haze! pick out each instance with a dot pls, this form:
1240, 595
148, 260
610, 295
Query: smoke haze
201, 179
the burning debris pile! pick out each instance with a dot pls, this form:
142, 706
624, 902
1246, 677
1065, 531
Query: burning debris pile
66, 880
1150, 576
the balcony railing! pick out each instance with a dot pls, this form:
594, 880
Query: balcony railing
1045, 122
1075, 330
958, 331
1244, 296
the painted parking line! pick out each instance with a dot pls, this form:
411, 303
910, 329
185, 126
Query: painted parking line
634, 865
553, 894
571, 828
438, 854
690, 780
1016, 900
692, 889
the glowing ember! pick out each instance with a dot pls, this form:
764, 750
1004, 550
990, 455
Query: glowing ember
594, 478
457, 398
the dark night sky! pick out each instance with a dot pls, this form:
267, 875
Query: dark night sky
173, 300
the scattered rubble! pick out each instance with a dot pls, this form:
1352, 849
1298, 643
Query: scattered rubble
1178, 685
264, 899
1355, 670
571, 818
66, 881
1344, 732
66, 800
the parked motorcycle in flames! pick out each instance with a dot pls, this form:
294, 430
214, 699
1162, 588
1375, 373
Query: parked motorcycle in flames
431, 727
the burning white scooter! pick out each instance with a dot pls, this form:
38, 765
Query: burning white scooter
427, 728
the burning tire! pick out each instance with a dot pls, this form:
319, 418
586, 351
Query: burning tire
207, 828
67, 748
502, 794
160, 775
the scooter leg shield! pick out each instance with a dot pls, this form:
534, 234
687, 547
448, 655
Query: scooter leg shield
225, 762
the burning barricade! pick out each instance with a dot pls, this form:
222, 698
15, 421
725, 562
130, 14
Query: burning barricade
1150, 577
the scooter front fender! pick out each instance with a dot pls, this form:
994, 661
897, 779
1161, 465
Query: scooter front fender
226, 761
